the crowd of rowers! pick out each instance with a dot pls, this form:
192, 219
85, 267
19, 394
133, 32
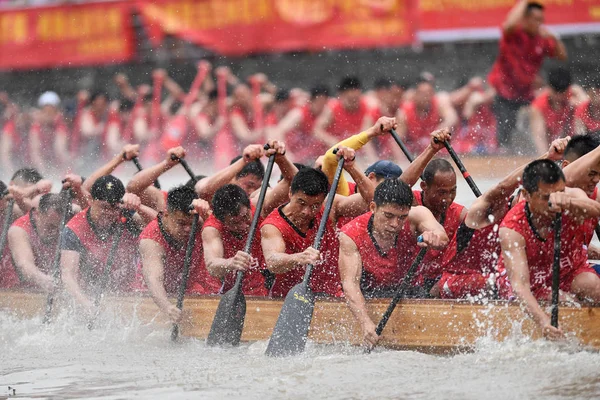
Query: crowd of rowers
501, 246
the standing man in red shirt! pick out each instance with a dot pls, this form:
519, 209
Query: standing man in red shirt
523, 46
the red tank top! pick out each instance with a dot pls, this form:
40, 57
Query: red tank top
95, 254
346, 123
381, 272
584, 114
46, 134
199, 281
450, 220
540, 252
559, 123
419, 127
325, 277
472, 250
254, 281
301, 140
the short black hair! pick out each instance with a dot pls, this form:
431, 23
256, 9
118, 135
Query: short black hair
349, 83
255, 168
544, 171
533, 5
228, 200
28, 175
98, 93
191, 183
382, 83
282, 95
51, 202
126, 105
3, 189
180, 199
319, 90
393, 191
559, 79
311, 182
435, 166
297, 165
579, 146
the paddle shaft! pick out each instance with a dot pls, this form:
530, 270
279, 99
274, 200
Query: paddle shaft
137, 164
185, 166
7, 221
401, 144
187, 261
462, 169
325, 217
56, 260
556, 271
400, 293
257, 212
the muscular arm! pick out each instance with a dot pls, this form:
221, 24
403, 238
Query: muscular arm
212, 243
515, 15
141, 185
423, 221
207, 187
152, 256
69, 265
273, 246
330, 160
449, 116
517, 268
241, 130
24, 260
350, 265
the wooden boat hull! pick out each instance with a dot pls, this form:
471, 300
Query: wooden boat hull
435, 326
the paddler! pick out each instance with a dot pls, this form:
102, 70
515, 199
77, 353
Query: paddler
377, 248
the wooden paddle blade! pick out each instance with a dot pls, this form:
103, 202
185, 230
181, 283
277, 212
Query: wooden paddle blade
228, 322
291, 330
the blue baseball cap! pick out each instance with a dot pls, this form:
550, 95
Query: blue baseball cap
385, 168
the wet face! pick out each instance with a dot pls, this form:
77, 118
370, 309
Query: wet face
533, 20
441, 192
48, 224
305, 208
424, 95
588, 182
249, 183
351, 98
105, 214
538, 200
239, 224
178, 224
389, 219
318, 104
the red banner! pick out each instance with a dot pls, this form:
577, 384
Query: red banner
86, 34
477, 14
238, 27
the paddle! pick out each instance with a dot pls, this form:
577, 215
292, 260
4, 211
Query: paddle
401, 290
7, 222
68, 194
291, 330
462, 169
228, 323
556, 270
187, 261
401, 144
137, 164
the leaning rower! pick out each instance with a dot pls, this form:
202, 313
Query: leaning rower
377, 248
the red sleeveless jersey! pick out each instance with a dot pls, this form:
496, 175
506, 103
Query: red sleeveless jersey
382, 272
584, 114
199, 282
450, 220
540, 252
419, 127
472, 250
325, 277
94, 253
347, 123
559, 123
254, 281
301, 140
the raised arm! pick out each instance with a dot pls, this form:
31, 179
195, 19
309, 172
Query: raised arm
280, 193
129, 152
425, 224
358, 203
514, 16
24, 260
411, 175
447, 111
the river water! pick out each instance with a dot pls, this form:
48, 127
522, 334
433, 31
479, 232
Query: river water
66, 361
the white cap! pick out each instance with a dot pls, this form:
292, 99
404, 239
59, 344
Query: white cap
49, 99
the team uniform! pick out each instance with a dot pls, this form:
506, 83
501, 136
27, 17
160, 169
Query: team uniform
559, 123
540, 253
254, 280
419, 126
82, 236
199, 282
325, 278
583, 113
345, 123
432, 263
382, 272
46, 135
